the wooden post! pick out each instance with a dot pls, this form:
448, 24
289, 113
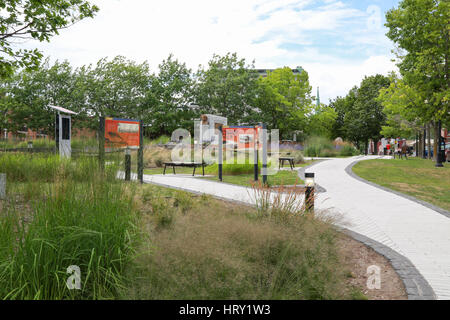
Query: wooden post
264, 152
255, 151
220, 153
2, 186
101, 143
127, 164
141, 153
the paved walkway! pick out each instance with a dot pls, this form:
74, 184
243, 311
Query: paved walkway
413, 230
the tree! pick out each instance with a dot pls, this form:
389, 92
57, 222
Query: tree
32, 19
403, 107
227, 88
171, 97
31, 92
116, 88
284, 100
360, 114
341, 106
322, 121
420, 29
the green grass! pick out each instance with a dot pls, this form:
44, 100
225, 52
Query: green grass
240, 174
416, 177
63, 213
282, 177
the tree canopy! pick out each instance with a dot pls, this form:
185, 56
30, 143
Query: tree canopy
38, 20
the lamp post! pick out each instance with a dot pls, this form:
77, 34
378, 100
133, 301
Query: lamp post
309, 192
440, 149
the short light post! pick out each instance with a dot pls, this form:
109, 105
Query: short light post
309, 192
127, 164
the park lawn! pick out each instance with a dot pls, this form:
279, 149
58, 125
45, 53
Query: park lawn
282, 177
415, 177
178, 170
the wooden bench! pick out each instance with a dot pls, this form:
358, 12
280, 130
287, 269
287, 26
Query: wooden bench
289, 159
185, 164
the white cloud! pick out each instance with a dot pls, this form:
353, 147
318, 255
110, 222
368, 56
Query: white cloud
255, 29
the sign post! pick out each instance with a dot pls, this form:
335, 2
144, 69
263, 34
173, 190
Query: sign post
263, 136
141, 153
255, 150
220, 152
101, 143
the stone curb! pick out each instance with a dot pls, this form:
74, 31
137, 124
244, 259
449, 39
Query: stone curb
417, 288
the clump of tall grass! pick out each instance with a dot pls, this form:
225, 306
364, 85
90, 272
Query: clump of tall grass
282, 202
84, 218
218, 250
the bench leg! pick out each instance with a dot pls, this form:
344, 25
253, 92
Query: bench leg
291, 163
173, 169
193, 173
203, 169
164, 170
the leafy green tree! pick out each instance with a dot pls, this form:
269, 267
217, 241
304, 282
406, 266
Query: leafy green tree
227, 88
322, 121
170, 98
31, 92
284, 100
365, 119
403, 107
420, 29
38, 20
360, 115
116, 88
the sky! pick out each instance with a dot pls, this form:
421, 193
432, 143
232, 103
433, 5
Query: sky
336, 42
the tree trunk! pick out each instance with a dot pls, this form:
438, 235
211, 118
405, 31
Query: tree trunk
429, 141
418, 150
436, 140
366, 151
375, 146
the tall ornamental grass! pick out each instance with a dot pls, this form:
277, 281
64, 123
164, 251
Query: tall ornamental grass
83, 218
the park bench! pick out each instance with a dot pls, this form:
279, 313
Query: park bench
288, 159
185, 164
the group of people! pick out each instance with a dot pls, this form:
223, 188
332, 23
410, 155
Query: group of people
398, 148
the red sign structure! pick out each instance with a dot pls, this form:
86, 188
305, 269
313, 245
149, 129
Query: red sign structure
121, 133
241, 136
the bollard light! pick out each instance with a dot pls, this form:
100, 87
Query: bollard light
309, 192
309, 179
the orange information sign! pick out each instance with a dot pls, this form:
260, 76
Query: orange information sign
121, 133
242, 137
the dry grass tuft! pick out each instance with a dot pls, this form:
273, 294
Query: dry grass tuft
218, 250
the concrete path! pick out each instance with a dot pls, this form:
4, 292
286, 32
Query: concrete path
411, 229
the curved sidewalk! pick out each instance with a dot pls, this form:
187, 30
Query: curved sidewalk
413, 230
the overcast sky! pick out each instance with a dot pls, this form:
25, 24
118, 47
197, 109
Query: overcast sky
337, 42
